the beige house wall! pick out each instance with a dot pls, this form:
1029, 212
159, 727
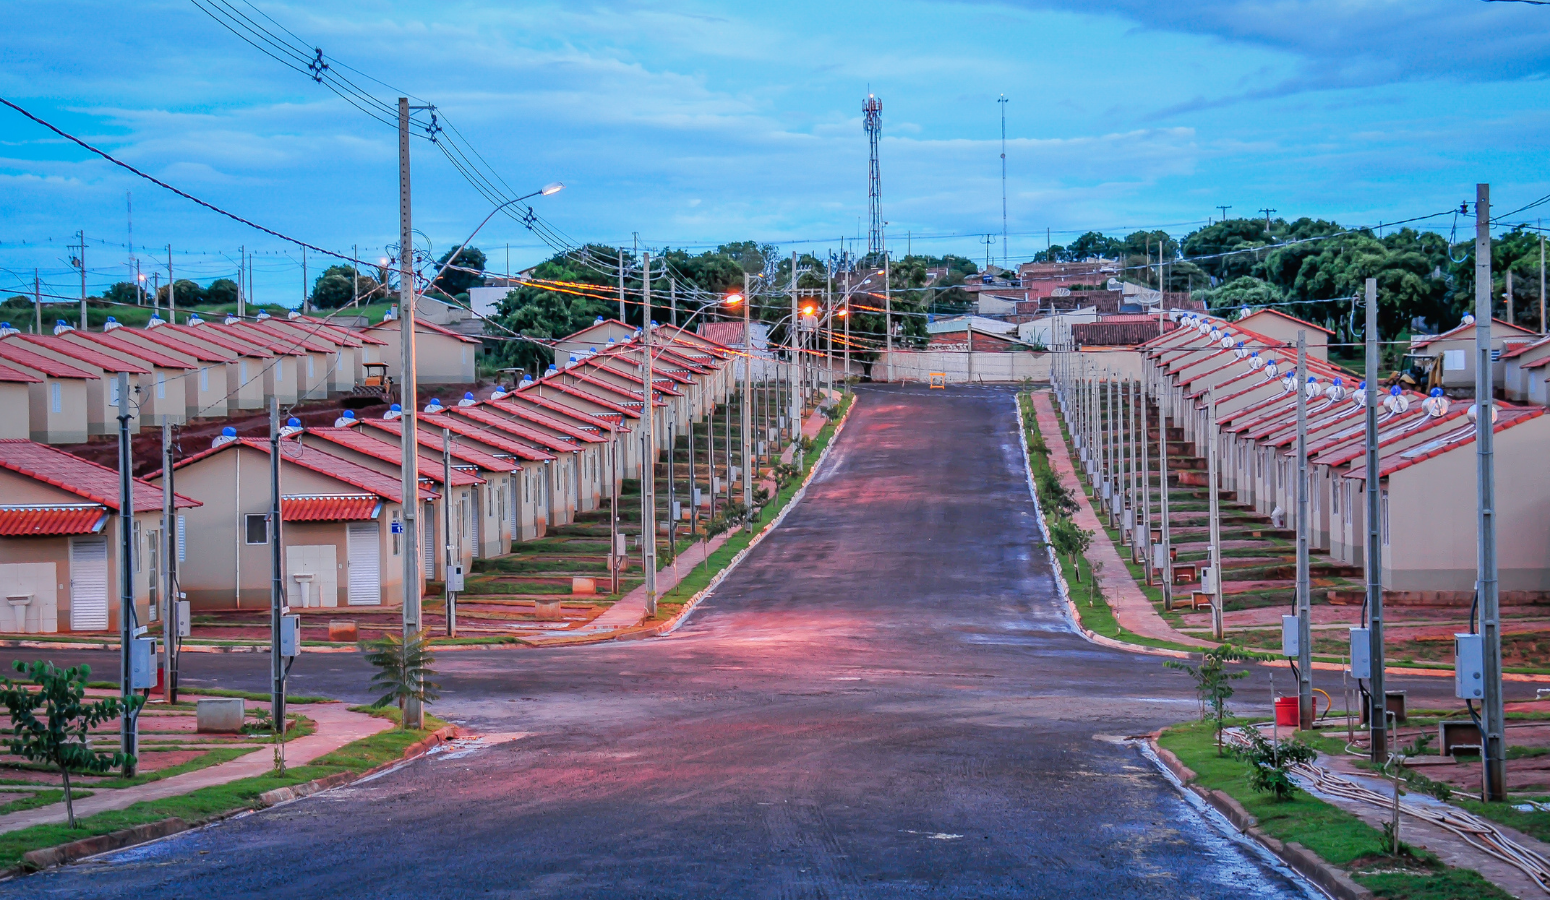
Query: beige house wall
1283, 329
439, 358
64, 423
987, 366
16, 409
101, 413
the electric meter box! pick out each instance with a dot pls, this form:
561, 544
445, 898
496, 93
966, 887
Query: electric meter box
455, 577
1159, 557
1290, 646
1361, 654
1468, 667
142, 663
1130, 520
1208, 579
185, 619
290, 635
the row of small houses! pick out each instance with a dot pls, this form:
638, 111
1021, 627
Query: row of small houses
1427, 460
63, 388
523, 459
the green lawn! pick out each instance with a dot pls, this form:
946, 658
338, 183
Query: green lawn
1337, 836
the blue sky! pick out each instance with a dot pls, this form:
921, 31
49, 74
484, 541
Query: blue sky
699, 122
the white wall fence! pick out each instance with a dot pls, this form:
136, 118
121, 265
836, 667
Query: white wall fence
962, 366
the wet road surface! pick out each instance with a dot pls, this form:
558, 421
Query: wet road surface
884, 700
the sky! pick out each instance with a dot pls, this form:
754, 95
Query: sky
688, 124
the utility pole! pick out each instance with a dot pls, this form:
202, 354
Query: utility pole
172, 289
304, 307
1213, 495
1267, 213
355, 273
847, 328
1224, 210
409, 472
1146, 491
242, 268
1377, 709
80, 263
1541, 276
648, 481
614, 556
1132, 499
794, 406
129, 738
171, 619
277, 607
887, 305
1304, 590
1002, 103
747, 402
621, 285
1485, 456
449, 595
37, 303
1166, 569
672, 299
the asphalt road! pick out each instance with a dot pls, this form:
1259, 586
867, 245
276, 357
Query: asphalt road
885, 700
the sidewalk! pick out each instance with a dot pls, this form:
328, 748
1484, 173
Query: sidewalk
336, 727
1132, 610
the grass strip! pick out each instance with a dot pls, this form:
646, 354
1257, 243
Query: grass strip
203, 761
219, 800
42, 798
1338, 837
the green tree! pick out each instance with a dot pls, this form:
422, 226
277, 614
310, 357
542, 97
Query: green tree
404, 670
189, 293
123, 292
466, 272
1268, 762
338, 287
59, 738
221, 292
1213, 682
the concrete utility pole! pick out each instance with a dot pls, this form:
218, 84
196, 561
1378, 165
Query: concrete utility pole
80, 263
888, 306
129, 738
172, 287
746, 413
449, 596
1216, 517
242, 268
845, 378
648, 481
277, 607
1304, 591
794, 413
1541, 276
304, 307
828, 316
409, 472
672, 299
37, 304
171, 620
1111, 444
1146, 489
1377, 718
614, 556
1166, 569
621, 285
1485, 456
1002, 103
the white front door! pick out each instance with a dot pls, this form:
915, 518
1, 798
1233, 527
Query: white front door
89, 584
363, 548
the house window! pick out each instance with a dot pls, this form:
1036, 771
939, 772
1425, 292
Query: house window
161, 385
279, 370
182, 538
257, 529
396, 536
309, 368
1334, 500
56, 397
113, 392
204, 379
139, 540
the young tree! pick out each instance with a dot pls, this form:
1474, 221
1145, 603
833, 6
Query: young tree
403, 669
60, 737
1213, 682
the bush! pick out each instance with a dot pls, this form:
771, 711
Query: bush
1269, 761
403, 670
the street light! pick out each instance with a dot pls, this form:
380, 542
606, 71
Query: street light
545, 191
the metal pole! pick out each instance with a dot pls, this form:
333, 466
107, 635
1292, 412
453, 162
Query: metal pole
648, 482
1214, 498
672, 299
277, 607
672, 494
846, 374
1146, 491
887, 305
1166, 570
828, 313
449, 595
169, 543
746, 404
81, 261
37, 303
172, 289
1377, 706
129, 737
621, 285
1485, 456
614, 557
1304, 591
414, 714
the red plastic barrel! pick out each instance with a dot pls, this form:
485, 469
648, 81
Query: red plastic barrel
1286, 712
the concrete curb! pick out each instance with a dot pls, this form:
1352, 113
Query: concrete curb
1305, 862
63, 854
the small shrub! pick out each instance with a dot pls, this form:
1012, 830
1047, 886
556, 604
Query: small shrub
1269, 761
1213, 682
403, 670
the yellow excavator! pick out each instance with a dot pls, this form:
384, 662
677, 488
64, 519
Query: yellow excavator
1419, 372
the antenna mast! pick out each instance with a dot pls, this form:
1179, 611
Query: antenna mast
873, 109
1002, 103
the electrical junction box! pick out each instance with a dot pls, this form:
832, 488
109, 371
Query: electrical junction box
1105, 489
290, 636
185, 619
1130, 519
1208, 579
1290, 646
142, 663
1469, 666
455, 577
620, 548
1159, 557
677, 511
695, 500
1361, 653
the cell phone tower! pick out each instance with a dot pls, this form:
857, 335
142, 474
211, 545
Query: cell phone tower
873, 109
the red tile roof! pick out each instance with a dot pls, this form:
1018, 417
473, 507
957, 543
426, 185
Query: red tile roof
319, 460
533, 435
432, 442
208, 333
9, 374
98, 484
321, 328
162, 337
547, 421
422, 325
558, 385
39, 521
84, 354
357, 334
481, 433
132, 349
48, 365
257, 337
1277, 312
1518, 348
324, 508
1457, 328
307, 340
588, 420
387, 452
1419, 453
